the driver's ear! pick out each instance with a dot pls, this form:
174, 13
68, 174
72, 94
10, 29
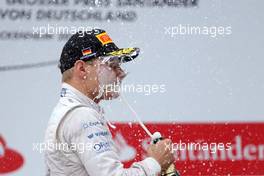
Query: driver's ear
80, 68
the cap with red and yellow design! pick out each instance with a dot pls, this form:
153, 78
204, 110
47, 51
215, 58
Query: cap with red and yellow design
85, 45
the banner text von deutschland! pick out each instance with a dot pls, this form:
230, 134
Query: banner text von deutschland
68, 15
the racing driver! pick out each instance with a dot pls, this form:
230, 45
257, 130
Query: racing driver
89, 62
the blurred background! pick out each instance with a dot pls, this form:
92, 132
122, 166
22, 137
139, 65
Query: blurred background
199, 77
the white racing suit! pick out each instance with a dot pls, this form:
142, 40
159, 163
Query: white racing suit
79, 143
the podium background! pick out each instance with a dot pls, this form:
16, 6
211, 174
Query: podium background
209, 81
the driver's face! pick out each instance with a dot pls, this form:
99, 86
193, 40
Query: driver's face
116, 68
110, 75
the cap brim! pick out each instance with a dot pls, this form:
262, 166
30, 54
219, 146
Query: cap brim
122, 55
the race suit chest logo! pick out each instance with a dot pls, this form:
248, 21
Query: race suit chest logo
10, 160
91, 124
102, 146
98, 134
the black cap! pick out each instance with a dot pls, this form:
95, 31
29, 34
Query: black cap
85, 45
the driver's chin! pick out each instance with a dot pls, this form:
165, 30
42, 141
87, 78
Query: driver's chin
111, 95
